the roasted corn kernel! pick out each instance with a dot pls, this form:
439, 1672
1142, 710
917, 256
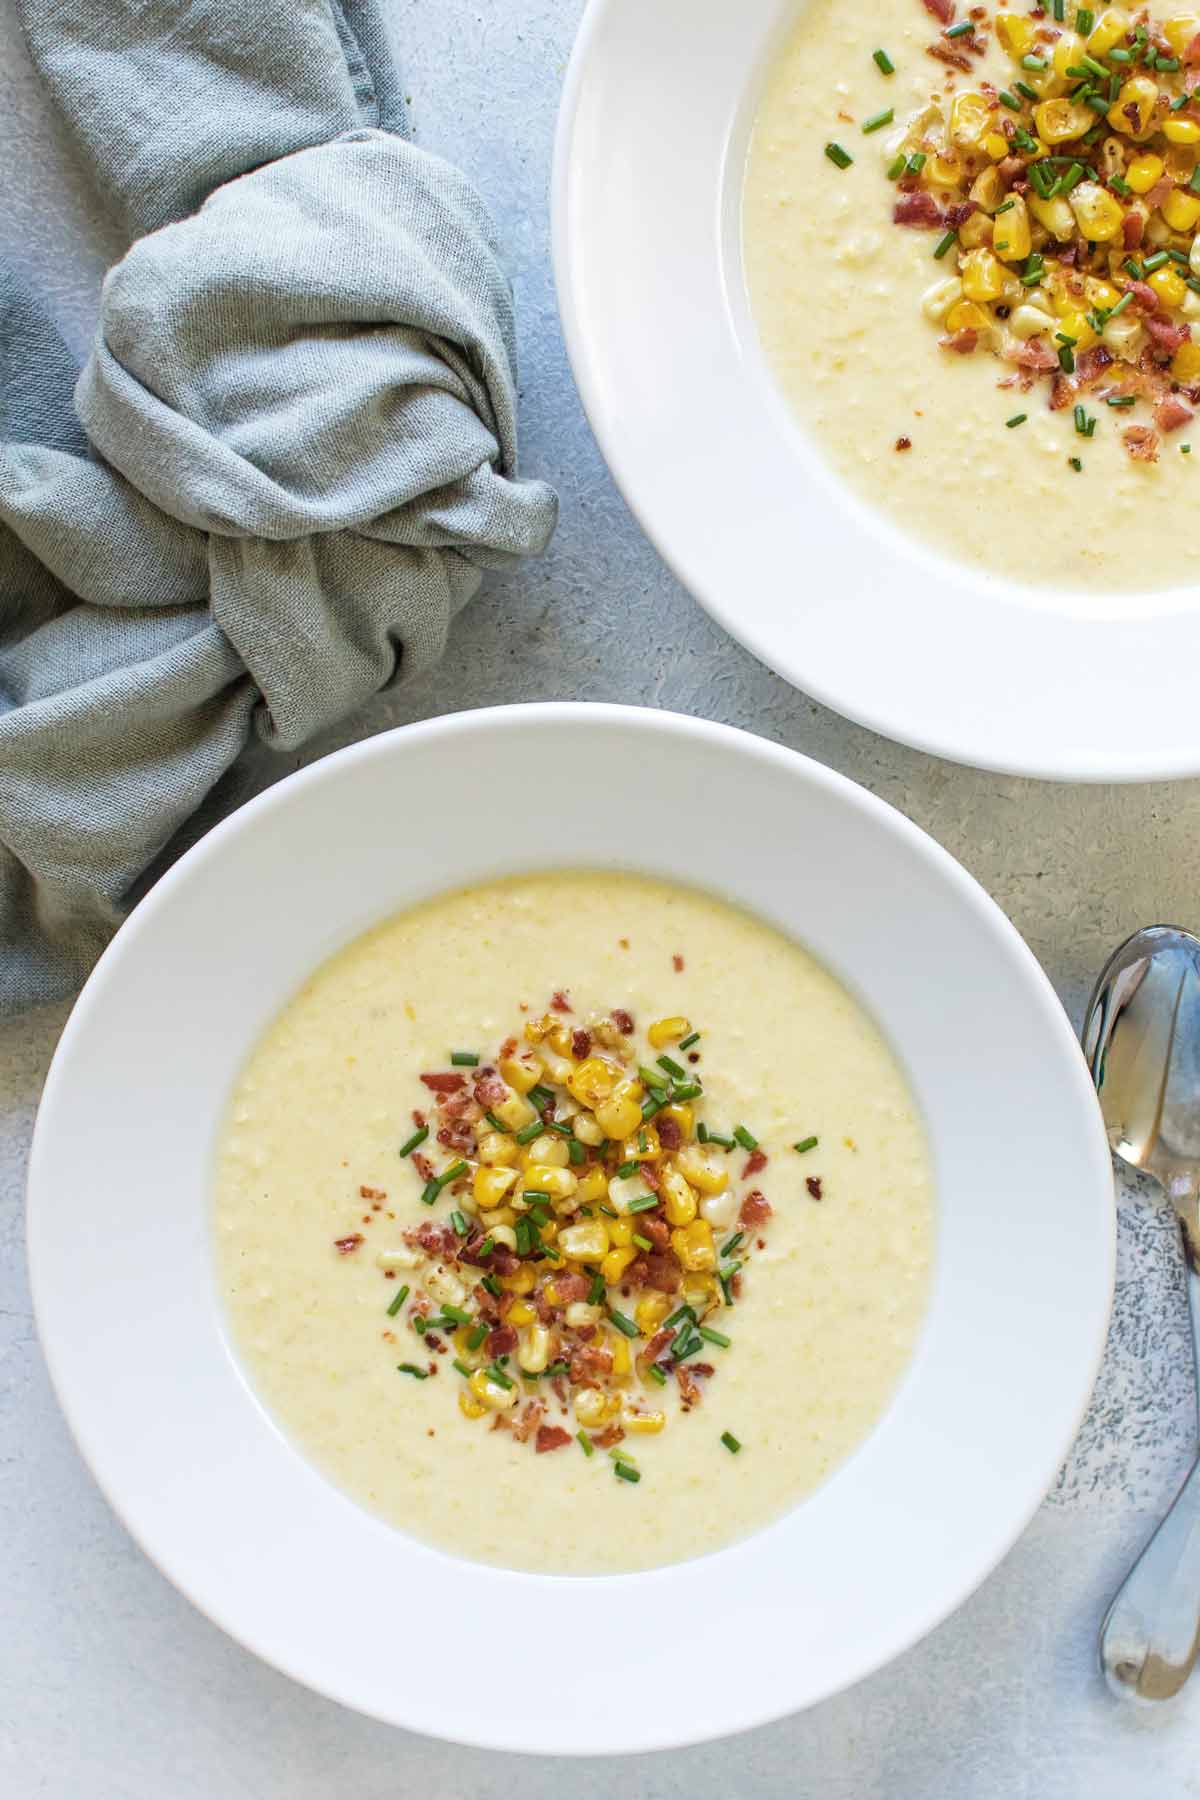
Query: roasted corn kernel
693, 1245
1012, 239
1097, 213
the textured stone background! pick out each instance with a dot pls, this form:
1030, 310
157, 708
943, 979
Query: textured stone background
111, 1687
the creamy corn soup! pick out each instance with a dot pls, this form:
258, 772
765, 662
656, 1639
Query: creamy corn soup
575, 1222
969, 243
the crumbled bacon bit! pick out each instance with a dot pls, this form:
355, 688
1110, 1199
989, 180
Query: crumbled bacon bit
957, 216
963, 343
942, 10
943, 53
581, 1044
367, 1193
621, 1019
418, 1119
919, 210
655, 1227
344, 1246
588, 1363
904, 443
1141, 443
609, 1438
447, 1082
813, 1184
490, 1089
559, 1001
669, 1134
528, 1420
755, 1208
755, 1162
1166, 336
501, 1341
690, 1393
551, 1437
677, 963
656, 1269
571, 1285
1171, 413
1133, 226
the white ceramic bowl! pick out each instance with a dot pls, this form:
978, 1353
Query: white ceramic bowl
128, 1310
653, 132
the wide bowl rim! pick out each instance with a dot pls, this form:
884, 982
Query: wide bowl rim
521, 718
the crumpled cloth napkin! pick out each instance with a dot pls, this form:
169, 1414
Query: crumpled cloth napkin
290, 455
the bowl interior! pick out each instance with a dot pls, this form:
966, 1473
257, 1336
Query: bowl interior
130, 1319
653, 134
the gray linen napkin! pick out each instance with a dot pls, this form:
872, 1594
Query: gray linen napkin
290, 455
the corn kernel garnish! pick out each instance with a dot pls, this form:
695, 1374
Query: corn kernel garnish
1078, 178
575, 1272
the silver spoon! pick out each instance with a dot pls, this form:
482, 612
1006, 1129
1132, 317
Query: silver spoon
1141, 1037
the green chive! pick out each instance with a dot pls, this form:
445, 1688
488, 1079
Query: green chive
420, 1325
1059, 11
1066, 359
1119, 56
464, 1059
1081, 421
1009, 100
576, 1153
1029, 93
687, 1342
653, 1078
622, 1323
461, 1228
496, 1124
941, 247
957, 31
1178, 104
1038, 62
1075, 464
1120, 186
628, 1168
730, 1442
734, 1243
540, 1096
878, 120
916, 162
681, 1312
556, 1125
1167, 63
726, 1288
1121, 400
1094, 68
805, 1144
556, 1368
477, 1336
596, 1291
1194, 284
642, 1243
418, 1137
745, 1138
1122, 303
1007, 207
1072, 178
412, 1369
1156, 261
1084, 20
1185, 449
430, 1192
726, 1143
837, 155
645, 1204
883, 62
715, 1337
527, 1134
493, 1287
1194, 183
623, 1472
1098, 102
495, 1373
672, 1067
651, 1106
462, 1368
585, 1443
656, 1374
401, 1295
687, 1042
687, 1090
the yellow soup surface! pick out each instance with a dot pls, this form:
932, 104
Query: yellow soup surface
829, 1307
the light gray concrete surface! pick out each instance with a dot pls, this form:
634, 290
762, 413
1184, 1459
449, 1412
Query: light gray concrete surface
111, 1687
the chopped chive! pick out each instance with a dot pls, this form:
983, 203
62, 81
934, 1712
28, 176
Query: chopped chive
455, 1314
686, 1043
702, 1132
477, 1336
464, 1059
1167, 63
576, 1153
462, 1367
644, 1204
1094, 68
672, 1067
1193, 284
715, 1337
461, 1228
883, 62
656, 1374
1009, 100
878, 120
1084, 20
1194, 183
540, 1096
496, 1124
430, 1192
412, 1143
398, 1299
412, 1369
653, 1078
686, 1344
493, 1288
943, 244
1059, 11
642, 1243
1037, 63
726, 1289
558, 1126
961, 30
1007, 207
1156, 261
556, 1368
628, 1168
1029, 93
730, 1442
528, 1132
1071, 179
585, 1443
420, 1325
745, 1138
495, 1373
1098, 102
1120, 186
1081, 421
1119, 55
1122, 303
681, 1312
488, 1245
1185, 449
596, 1291
622, 1323
623, 1472
653, 1105
715, 1137
837, 155
610, 1212
916, 162
1178, 104
1075, 464
805, 1144
1121, 400
687, 1090
1020, 418
1066, 359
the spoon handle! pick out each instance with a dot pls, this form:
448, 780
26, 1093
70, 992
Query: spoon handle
1149, 1640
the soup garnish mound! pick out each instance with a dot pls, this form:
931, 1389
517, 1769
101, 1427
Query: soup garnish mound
592, 1230
1063, 209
